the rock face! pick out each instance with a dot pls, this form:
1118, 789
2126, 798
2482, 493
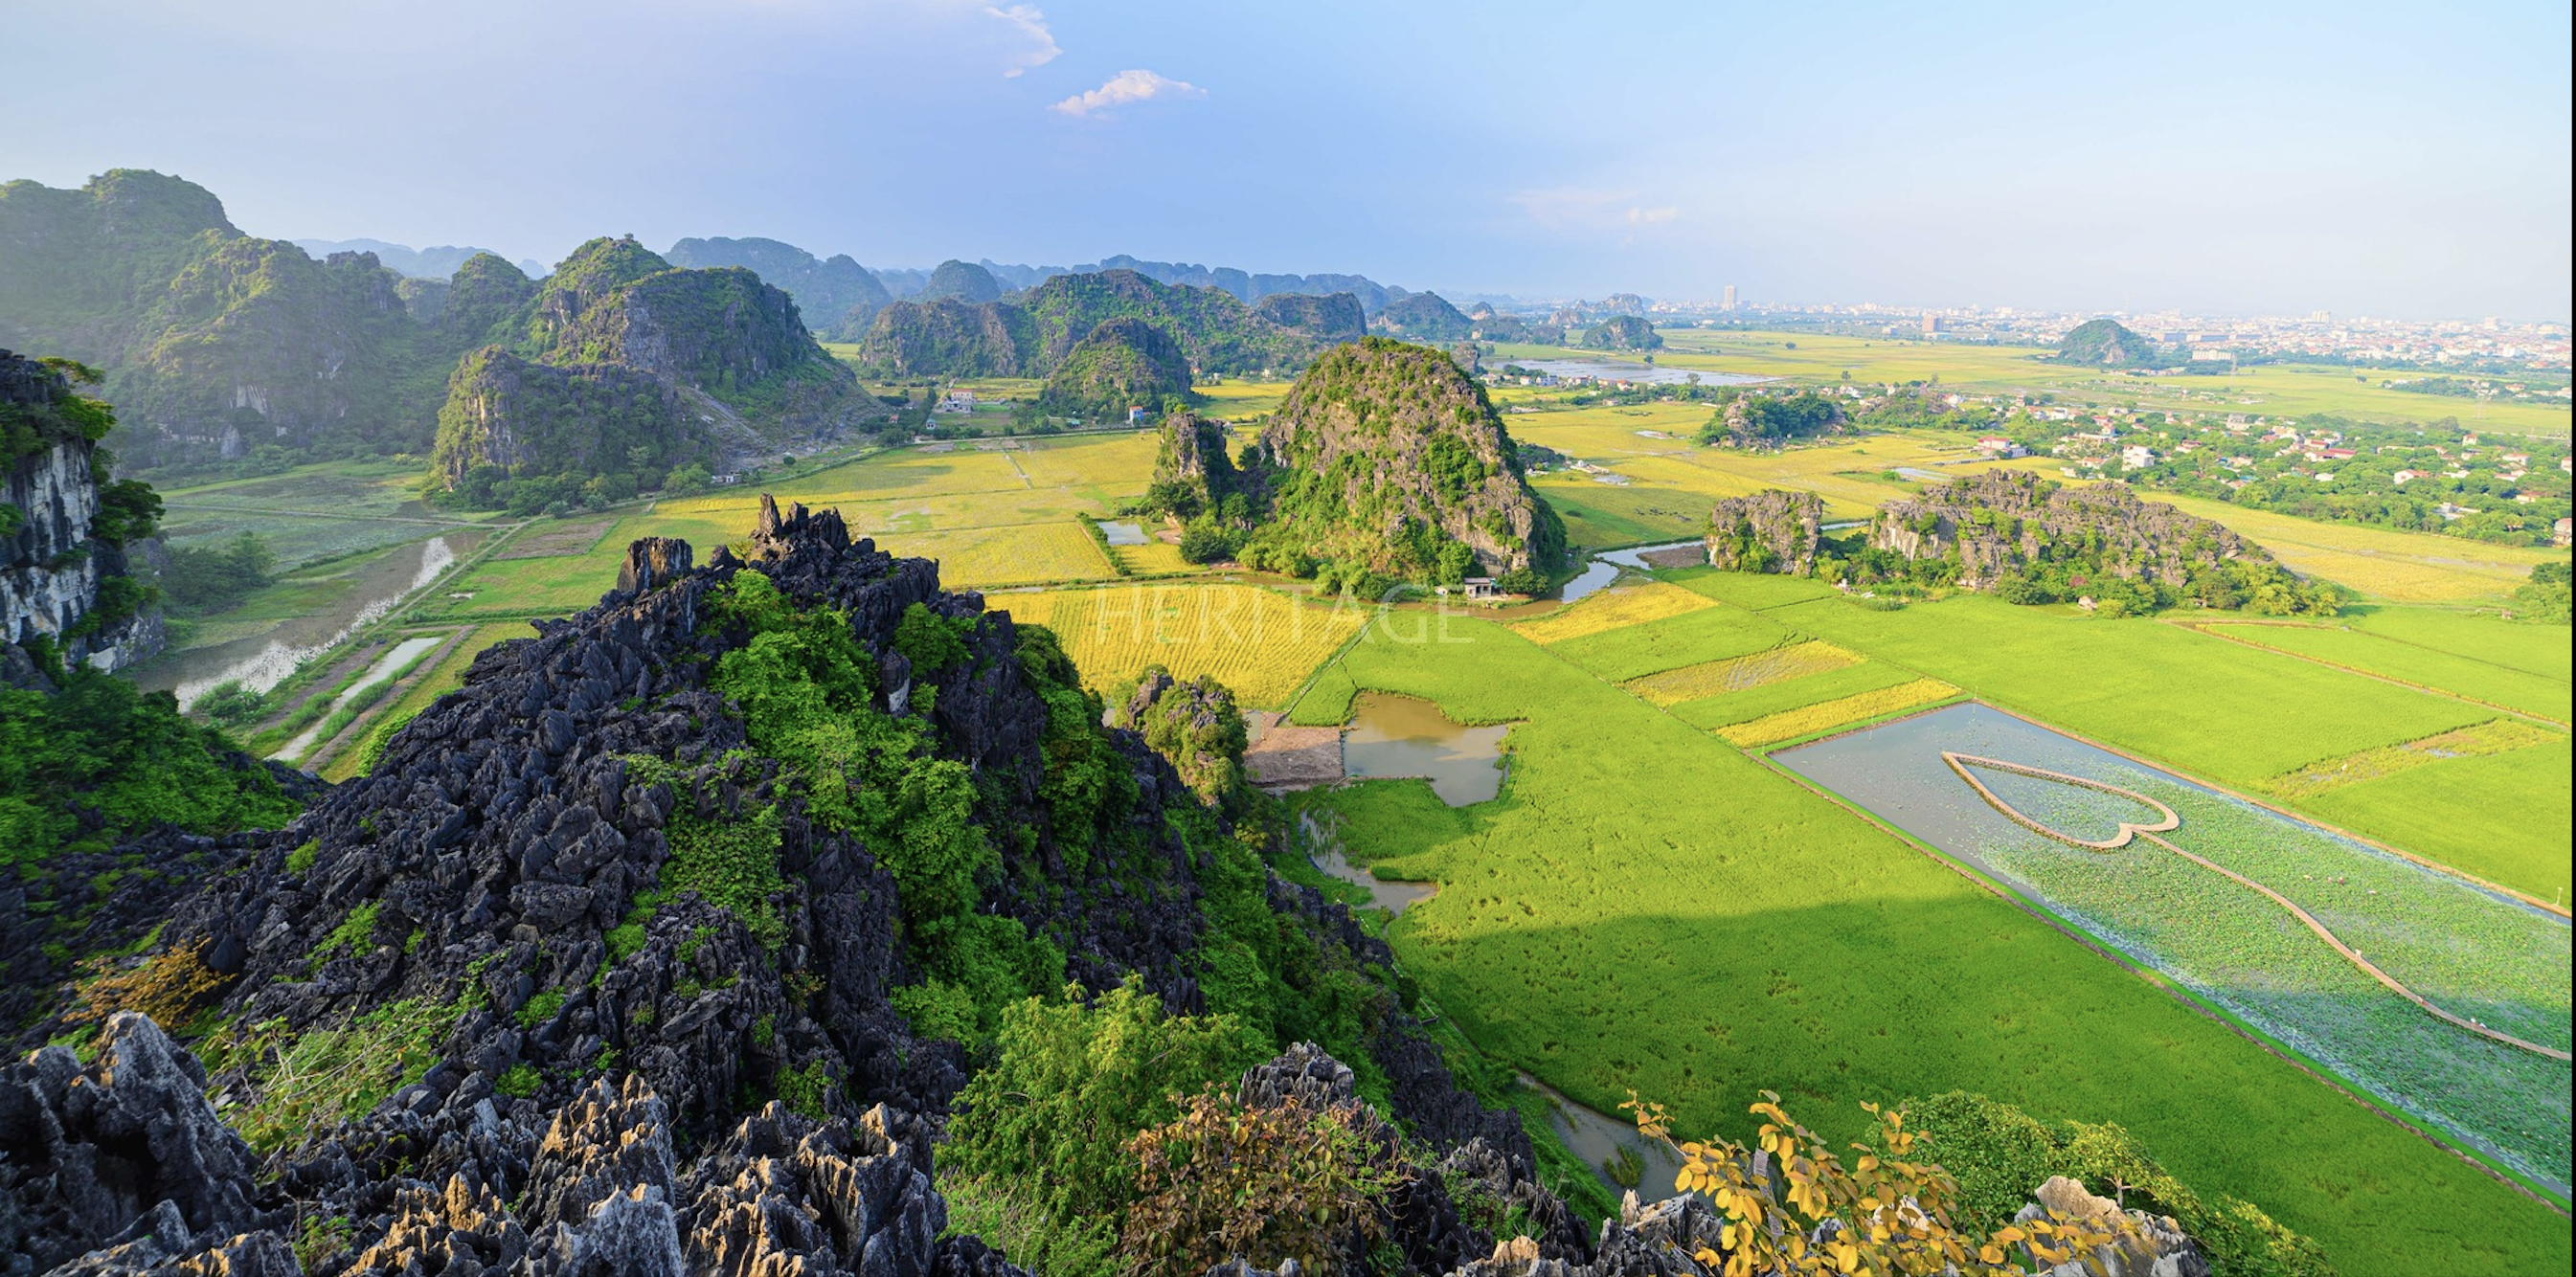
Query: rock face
1383, 450
1769, 531
1623, 332
503, 410
2157, 1248
1124, 363
1191, 469
53, 565
1194, 725
2001, 521
953, 280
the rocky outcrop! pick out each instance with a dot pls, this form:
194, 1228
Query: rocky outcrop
504, 410
54, 564
2108, 343
1191, 469
1768, 531
947, 337
1380, 438
1425, 318
1628, 333
1194, 725
1333, 318
836, 296
1123, 364
2001, 522
1033, 333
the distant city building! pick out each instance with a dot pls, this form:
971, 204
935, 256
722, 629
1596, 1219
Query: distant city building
1931, 325
1730, 297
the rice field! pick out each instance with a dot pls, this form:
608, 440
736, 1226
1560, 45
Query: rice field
1612, 608
2503, 817
1777, 698
1646, 908
2402, 567
2499, 736
1259, 642
1651, 647
1808, 720
989, 558
2462, 674
1741, 673
1154, 558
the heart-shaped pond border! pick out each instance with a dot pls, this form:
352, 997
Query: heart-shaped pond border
1961, 763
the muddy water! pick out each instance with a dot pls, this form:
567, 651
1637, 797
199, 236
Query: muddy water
1400, 736
383, 669
1600, 1139
1596, 574
1325, 852
1635, 555
262, 661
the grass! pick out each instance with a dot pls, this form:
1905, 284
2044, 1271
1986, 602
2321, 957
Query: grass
1752, 590
1601, 517
1604, 935
1712, 633
1259, 642
1807, 720
1612, 608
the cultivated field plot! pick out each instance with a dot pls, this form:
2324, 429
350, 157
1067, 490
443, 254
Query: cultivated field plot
1154, 558
1261, 643
1708, 634
1117, 465
2533, 649
1239, 400
1610, 609
2473, 953
1751, 590
1740, 673
1821, 716
312, 513
1644, 907
917, 471
985, 558
2404, 567
1601, 517
1779, 698
1609, 435
2458, 673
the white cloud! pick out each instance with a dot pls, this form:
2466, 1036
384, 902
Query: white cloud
1126, 89
1580, 208
1032, 28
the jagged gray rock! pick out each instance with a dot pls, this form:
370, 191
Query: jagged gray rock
1768, 531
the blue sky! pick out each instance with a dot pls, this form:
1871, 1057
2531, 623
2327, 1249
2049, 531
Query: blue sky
2376, 159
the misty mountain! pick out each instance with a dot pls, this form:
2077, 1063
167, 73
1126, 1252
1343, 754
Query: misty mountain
438, 261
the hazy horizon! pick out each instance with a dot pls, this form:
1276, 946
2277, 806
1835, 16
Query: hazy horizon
2359, 159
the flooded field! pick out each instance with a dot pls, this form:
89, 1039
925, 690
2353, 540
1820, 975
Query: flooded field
2449, 1000
1399, 736
386, 666
264, 659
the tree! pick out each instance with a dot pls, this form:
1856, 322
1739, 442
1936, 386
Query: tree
1880, 1215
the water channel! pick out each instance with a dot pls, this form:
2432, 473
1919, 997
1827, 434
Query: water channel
384, 668
1401, 736
262, 661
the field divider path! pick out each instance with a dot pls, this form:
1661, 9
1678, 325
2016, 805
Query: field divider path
2212, 628
1961, 764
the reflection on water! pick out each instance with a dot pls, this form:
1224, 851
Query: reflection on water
1400, 736
1611, 1146
1596, 574
1122, 533
383, 669
262, 661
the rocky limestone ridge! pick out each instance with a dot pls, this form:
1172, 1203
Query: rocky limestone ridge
1030, 334
1427, 318
2000, 521
1380, 437
1123, 364
1768, 531
519, 1071
51, 565
836, 295
1333, 318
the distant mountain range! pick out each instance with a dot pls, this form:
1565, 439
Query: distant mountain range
435, 262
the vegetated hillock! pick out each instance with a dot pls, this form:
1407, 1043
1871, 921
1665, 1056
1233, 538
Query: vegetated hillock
1756, 419
619, 369
1331, 318
2107, 343
961, 281
2030, 540
836, 296
1388, 456
1032, 334
1424, 318
676, 937
1623, 332
1767, 531
1123, 364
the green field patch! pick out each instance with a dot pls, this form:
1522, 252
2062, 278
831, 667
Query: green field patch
1594, 521
2214, 708
2477, 741
1604, 935
2463, 674
1752, 591
546, 541
1745, 706
1675, 641
1740, 673
2503, 817
2533, 649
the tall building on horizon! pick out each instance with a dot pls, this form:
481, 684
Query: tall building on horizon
1730, 297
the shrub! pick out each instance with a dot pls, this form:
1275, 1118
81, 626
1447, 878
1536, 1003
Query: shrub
1222, 1181
540, 1008
519, 1081
166, 987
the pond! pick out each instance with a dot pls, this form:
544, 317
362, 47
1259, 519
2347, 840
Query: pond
1122, 533
1596, 574
1392, 737
1326, 854
1611, 1146
261, 661
1622, 370
2321, 942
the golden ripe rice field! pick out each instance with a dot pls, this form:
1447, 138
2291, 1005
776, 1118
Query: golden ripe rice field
989, 558
1612, 608
1259, 642
1792, 724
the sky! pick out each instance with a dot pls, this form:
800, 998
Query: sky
2396, 160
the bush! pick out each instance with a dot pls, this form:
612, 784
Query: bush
1206, 543
166, 987
1222, 1181
125, 757
202, 580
